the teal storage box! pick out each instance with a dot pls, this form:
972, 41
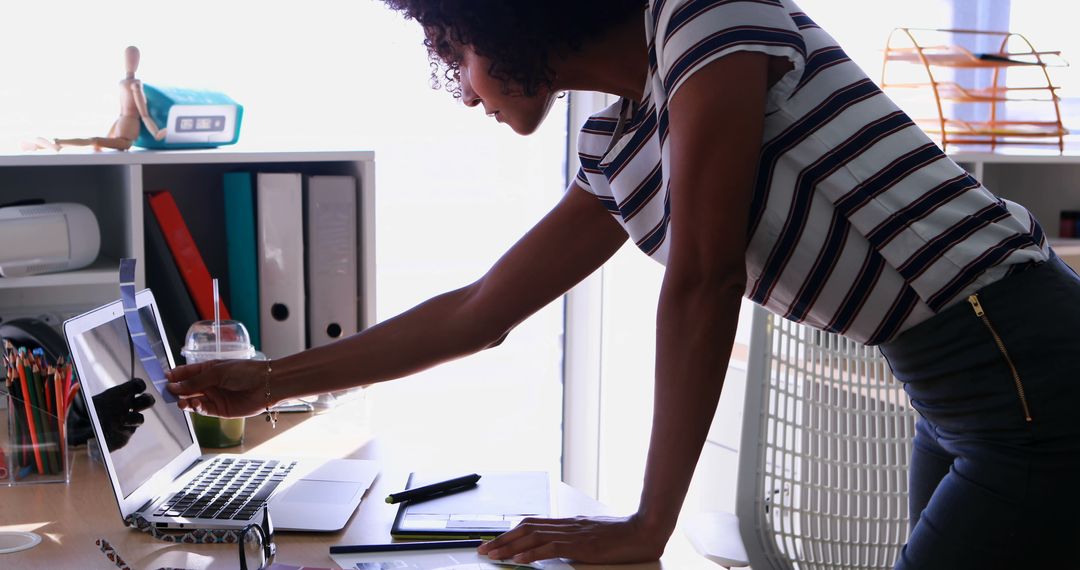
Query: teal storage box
192, 118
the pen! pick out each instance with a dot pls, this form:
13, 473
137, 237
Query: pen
428, 491
399, 546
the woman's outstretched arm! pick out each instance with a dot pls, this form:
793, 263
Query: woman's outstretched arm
569, 243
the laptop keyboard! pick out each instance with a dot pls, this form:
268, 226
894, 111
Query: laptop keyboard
227, 489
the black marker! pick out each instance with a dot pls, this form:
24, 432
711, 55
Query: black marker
435, 489
400, 546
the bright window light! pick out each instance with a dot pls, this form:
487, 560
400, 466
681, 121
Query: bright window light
454, 188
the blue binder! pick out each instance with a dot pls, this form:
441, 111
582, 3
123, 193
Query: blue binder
241, 252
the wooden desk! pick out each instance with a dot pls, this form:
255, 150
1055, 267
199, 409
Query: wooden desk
70, 517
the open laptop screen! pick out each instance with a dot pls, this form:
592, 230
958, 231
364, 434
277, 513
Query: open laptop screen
105, 361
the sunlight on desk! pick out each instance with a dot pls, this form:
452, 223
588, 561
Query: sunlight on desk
53, 537
339, 432
24, 527
71, 517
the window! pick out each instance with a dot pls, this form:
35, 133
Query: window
455, 189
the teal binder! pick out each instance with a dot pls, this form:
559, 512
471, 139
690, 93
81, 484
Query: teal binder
241, 252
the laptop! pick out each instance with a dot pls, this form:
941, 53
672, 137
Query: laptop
160, 472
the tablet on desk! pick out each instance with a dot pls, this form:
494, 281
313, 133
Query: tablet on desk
497, 504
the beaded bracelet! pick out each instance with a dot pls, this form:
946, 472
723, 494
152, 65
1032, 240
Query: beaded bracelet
270, 416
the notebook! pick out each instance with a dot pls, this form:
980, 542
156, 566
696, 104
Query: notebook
500, 500
160, 473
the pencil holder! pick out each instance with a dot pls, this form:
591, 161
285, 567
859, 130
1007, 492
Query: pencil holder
34, 444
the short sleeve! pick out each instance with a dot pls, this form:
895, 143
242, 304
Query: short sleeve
692, 33
583, 181
593, 138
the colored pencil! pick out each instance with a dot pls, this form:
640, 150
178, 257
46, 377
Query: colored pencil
50, 416
68, 389
46, 383
61, 415
40, 415
25, 449
26, 470
72, 388
48, 375
37, 427
18, 451
16, 424
62, 389
29, 414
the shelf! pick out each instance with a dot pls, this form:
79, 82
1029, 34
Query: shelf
77, 157
952, 91
104, 271
954, 127
959, 57
113, 185
997, 51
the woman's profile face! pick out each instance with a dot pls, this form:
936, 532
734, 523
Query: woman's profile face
522, 113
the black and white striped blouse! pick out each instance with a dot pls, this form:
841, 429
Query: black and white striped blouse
859, 223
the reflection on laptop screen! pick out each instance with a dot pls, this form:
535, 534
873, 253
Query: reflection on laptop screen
104, 354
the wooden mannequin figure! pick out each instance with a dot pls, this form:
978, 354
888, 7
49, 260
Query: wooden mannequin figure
126, 128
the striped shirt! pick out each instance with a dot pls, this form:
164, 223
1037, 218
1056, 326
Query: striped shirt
859, 223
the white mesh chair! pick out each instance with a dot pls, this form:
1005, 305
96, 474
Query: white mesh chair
826, 440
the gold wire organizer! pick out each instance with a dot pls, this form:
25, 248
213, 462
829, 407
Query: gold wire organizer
930, 62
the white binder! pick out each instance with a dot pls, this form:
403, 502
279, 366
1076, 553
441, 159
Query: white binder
332, 259
281, 263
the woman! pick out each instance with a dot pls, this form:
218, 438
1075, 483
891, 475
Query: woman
751, 157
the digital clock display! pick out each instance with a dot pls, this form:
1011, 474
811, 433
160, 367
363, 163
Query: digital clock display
201, 124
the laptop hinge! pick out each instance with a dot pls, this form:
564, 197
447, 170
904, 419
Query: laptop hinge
190, 466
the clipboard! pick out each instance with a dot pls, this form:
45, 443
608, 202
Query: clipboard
497, 504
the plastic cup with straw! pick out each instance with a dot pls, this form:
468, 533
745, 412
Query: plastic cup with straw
217, 340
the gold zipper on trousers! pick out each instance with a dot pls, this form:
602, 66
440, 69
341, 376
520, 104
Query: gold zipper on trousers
979, 312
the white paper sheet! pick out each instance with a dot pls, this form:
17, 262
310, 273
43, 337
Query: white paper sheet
450, 559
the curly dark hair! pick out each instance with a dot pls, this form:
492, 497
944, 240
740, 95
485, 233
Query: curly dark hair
518, 36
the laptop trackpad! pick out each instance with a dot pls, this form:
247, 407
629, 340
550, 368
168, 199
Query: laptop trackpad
291, 510
306, 491
337, 470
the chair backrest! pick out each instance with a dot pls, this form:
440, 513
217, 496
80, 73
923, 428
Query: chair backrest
826, 441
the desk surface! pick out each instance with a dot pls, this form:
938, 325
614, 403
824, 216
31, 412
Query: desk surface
70, 517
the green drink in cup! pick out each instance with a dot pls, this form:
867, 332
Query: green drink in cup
218, 340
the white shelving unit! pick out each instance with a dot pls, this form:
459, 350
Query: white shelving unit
112, 184
1043, 182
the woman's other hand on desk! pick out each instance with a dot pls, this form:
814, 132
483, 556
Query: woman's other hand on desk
602, 540
225, 388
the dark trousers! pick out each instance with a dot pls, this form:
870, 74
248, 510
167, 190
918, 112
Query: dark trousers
990, 488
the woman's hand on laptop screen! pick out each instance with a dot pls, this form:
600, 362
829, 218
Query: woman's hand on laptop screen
119, 410
225, 388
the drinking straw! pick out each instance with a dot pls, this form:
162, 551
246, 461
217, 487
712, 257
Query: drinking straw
217, 318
